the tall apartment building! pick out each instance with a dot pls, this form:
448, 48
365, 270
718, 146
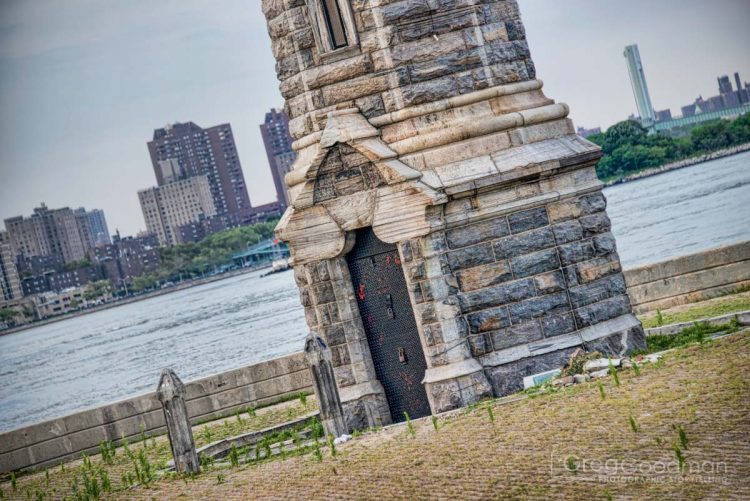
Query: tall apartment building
183, 150
10, 285
49, 232
638, 82
171, 205
281, 156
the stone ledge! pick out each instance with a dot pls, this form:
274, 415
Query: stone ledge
601, 330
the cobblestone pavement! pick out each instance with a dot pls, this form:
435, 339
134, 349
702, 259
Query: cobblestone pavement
531, 448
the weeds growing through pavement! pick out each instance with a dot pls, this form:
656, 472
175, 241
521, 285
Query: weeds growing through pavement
633, 424
316, 451
659, 318
434, 422
108, 451
220, 479
409, 426
682, 436
613, 372
490, 413
13, 481
636, 368
303, 399
237, 415
601, 389
570, 463
332, 446
679, 455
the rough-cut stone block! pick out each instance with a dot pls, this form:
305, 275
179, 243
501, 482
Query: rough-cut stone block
471, 256
480, 344
487, 275
524, 243
621, 343
595, 224
548, 283
496, 296
516, 335
538, 306
528, 220
568, 231
478, 232
508, 378
576, 252
532, 264
601, 311
598, 290
488, 320
556, 325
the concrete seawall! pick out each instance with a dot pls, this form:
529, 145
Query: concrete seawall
690, 278
48, 443
661, 285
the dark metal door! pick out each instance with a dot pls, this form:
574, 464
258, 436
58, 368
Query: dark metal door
388, 318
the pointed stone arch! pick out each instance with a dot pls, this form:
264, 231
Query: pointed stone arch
348, 180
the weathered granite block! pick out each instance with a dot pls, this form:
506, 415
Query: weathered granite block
556, 325
471, 256
532, 264
528, 220
488, 320
496, 296
516, 335
599, 290
603, 310
508, 378
524, 243
576, 252
487, 275
475, 233
539, 306
568, 231
548, 283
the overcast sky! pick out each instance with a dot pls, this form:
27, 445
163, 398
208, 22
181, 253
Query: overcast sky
83, 83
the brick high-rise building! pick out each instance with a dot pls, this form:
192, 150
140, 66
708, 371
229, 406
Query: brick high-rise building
48, 232
10, 285
169, 206
281, 156
183, 150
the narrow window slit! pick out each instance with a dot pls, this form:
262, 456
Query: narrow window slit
335, 23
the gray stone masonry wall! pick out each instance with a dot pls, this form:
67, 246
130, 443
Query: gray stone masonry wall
536, 274
331, 310
409, 52
431, 128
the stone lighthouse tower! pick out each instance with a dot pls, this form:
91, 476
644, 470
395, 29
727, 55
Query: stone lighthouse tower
447, 228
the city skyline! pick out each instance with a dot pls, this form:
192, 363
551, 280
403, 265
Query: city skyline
82, 88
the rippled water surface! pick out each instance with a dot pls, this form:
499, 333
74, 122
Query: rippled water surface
67, 366
681, 212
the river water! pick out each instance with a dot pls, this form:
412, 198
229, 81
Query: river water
94, 359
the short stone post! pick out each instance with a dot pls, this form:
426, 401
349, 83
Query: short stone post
318, 357
171, 393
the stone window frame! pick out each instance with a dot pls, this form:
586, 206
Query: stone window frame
323, 37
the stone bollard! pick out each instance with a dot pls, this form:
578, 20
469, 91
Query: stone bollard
171, 393
318, 357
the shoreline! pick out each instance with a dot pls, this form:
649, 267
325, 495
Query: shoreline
688, 162
132, 299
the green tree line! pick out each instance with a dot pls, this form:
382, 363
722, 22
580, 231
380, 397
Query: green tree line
194, 259
628, 147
